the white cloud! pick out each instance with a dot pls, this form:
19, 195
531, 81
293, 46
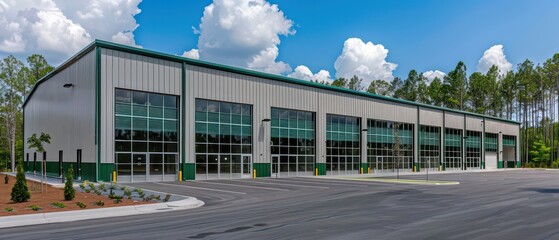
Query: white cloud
495, 55
304, 73
244, 33
58, 29
193, 53
366, 60
431, 75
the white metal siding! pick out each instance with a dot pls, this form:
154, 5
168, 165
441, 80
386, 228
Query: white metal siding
454, 120
430, 117
66, 114
474, 123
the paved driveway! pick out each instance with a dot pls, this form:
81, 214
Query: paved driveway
519, 204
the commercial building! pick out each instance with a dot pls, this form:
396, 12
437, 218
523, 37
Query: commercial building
115, 111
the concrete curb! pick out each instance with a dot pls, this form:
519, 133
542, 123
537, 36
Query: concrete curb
69, 216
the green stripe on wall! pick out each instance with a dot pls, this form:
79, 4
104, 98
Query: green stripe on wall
106, 172
262, 169
321, 168
189, 172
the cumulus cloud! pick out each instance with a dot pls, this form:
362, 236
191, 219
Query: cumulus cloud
495, 55
431, 75
304, 73
193, 53
58, 29
244, 33
366, 60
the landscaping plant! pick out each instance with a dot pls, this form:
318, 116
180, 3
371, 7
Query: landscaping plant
6, 179
167, 197
118, 199
99, 203
81, 205
102, 187
69, 191
20, 191
35, 208
9, 209
128, 193
58, 204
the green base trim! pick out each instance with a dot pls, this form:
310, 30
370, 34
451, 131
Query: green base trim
417, 167
189, 171
365, 168
53, 169
321, 168
518, 164
106, 172
262, 169
500, 164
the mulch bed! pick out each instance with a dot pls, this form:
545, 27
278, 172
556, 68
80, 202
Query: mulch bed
49, 195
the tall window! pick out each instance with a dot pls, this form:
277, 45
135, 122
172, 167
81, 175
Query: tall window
383, 140
223, 139
491, 142
429, 147
293, 141
146, 134
473, 150
453, 149
343, 140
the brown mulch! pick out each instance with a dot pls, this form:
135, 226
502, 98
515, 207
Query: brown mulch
50, 195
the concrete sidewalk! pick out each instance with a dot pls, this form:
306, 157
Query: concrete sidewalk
69, 216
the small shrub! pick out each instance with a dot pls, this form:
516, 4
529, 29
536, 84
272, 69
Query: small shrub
58, 204
20, 191
128, 193
118, 199
81, 205
6, 179
167, 197
98, 192
157, 197
139, 191
99, 203
9, 209
102, 187
122, 188
82, 186
555, 164
543, 165
35, 208
69, 191
92, 186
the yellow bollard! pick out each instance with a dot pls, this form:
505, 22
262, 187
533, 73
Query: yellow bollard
254, 173
440, 168
114, 176
361, 170
369, 170
316, 172
180, 175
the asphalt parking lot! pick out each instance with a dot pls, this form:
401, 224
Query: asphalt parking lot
517, 204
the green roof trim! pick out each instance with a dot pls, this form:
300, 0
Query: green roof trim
179, 59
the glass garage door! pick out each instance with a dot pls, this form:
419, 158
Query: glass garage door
223, 140
146, 136
343, 140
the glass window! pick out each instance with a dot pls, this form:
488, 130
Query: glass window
140, 98
122, 96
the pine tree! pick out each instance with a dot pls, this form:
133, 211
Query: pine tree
20, 191
69, 191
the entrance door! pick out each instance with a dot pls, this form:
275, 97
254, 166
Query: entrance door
79, 164
246, 163
139, 163
60, 166
275, 166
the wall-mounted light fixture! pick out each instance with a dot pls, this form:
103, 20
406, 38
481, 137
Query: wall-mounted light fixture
266, 120
68, 85
364, 130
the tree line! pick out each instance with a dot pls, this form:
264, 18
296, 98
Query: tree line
17, 78
529, 94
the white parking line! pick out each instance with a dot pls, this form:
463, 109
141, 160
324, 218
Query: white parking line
209, 189
324, 181
235, 185
264, 181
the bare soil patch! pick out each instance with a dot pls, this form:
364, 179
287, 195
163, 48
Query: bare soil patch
50, 195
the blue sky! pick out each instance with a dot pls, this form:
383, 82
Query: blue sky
421, 35
302, 39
